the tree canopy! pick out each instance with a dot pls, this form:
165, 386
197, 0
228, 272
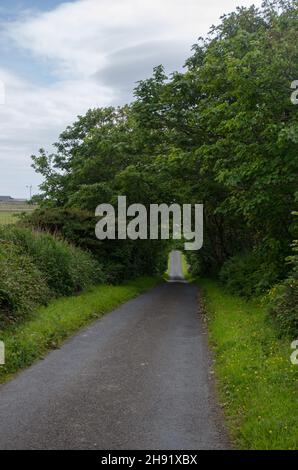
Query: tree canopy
223, 133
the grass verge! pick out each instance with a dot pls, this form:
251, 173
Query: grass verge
46, 329
256, 380
185, 268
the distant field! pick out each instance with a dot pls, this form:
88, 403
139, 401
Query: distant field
9, 211
7, 218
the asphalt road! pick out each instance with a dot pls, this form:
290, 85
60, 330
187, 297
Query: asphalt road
137, 379
176, 273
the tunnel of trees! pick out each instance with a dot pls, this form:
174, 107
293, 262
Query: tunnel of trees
224, 133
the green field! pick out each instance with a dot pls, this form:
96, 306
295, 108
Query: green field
8, 217
9, 211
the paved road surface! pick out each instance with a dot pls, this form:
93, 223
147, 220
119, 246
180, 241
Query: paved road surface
136, 379
176, 273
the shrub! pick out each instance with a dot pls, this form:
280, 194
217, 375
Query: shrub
67, 269
120, 259
283, 305
78, 227
22, 285
249, 274
74, 225
84, 269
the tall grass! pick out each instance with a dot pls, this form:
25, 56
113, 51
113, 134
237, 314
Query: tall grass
10, 211
22, 285
67, 268
39, 266
8, 217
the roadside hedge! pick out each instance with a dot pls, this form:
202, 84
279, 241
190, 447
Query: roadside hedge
36, 266
283, 298
121, 260
22, 285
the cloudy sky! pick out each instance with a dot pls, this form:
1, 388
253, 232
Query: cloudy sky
59, 58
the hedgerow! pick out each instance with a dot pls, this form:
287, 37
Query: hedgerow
36, 266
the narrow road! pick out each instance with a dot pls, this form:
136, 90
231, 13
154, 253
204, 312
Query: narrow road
136, 379
176, 273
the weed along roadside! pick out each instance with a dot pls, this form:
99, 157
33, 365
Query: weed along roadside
256, 380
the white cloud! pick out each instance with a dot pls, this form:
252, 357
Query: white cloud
33, 117
96, 49
81, 35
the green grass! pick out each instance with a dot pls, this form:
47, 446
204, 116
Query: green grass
185, 268
167, 273
9, 211
46, 329
256, 380
7, 217
16, 206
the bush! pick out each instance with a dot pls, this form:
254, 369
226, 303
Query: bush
249, 274
120, 259
22, 285
84, 269
74, 225
78, 227
283, 305
66, 269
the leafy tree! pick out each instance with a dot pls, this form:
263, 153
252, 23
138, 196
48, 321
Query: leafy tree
223, 133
